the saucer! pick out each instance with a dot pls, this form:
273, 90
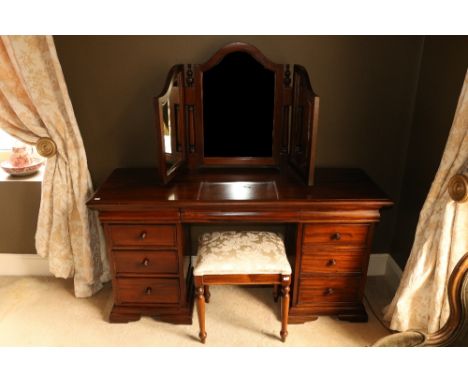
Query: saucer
22, 171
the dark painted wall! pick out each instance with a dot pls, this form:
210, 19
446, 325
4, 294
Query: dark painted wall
19, 206
366, 84
443, 68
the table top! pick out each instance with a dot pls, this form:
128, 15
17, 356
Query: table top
235, 187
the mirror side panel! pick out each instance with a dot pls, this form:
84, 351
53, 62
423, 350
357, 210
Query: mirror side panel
304, 124
170, 131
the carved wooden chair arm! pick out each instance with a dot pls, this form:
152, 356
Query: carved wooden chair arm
455, 330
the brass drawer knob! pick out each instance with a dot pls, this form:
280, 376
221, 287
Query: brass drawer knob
331, 262
336, 236
143, 235
148, 291
145, 262
329, 291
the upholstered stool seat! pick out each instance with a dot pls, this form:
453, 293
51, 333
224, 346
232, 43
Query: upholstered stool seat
231, 257
231, 252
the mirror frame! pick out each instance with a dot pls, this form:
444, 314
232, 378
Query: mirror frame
304, 125
295, 118
173, 95
277, 69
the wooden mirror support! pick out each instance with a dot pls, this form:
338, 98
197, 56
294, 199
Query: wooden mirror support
237, 109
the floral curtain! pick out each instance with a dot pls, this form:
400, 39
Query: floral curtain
441, 240
34, 103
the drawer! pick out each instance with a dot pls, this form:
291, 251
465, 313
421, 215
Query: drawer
329, 289
332, 260
147, 291
143, 235
145, 262
337, 234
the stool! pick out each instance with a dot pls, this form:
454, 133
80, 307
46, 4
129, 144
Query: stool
241, 258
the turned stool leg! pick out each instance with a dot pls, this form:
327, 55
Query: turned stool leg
285, 312
200, 292
207, 293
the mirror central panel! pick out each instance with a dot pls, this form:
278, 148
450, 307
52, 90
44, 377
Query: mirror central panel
238, 108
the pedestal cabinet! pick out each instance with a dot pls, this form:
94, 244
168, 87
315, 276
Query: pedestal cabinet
149, 268
332, 265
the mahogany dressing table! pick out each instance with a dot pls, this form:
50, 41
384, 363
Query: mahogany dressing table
236, 138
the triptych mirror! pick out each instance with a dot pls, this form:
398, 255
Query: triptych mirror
237, 109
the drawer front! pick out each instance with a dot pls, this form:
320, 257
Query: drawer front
147, 291
143, 235
329, 260
329, 289
145, 262
337, 234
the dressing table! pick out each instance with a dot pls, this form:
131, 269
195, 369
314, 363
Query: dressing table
236, 145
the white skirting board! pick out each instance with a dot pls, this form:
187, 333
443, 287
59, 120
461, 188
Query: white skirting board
12, 264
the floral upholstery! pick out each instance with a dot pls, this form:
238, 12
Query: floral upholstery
232, 252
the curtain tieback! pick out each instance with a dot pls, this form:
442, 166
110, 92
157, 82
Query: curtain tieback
458, 188
46, 147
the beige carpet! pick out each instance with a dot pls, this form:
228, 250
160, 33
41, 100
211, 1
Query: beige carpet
41, 311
